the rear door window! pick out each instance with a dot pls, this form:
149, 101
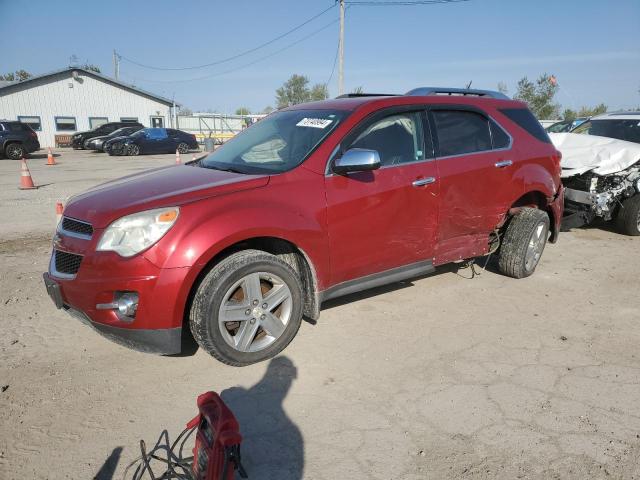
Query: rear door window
461, 132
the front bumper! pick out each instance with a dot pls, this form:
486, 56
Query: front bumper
157, 325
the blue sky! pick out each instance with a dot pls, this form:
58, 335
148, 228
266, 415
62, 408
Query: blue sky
590, 45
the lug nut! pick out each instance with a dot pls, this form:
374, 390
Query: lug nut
252, 321
263, 316
255, 302
264, 305
247, 311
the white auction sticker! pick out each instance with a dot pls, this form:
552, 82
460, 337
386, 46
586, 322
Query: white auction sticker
314, 122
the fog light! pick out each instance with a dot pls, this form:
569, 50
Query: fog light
124, 303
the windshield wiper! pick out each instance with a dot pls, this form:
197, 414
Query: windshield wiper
224, 169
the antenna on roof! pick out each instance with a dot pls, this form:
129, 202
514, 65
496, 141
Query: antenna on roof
469, 85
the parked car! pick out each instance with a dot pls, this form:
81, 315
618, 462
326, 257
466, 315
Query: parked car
565, 125
96, 143
153, 140
17, 139
601, 170
313, 202
78, 139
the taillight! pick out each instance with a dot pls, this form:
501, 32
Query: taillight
33, 134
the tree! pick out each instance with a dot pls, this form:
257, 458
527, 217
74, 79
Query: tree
91, 67
569, 115
185, 111
267, 110
319, 91
592, 111
502, 88
296, 90
243, 111
18, 75
358, 90
539, 96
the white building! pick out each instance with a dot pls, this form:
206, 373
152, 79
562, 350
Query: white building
74, 100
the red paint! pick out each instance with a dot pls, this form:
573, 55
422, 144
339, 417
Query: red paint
347, 226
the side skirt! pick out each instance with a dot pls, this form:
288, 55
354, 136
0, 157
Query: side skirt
378, 279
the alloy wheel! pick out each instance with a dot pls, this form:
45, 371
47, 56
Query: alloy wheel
183, 147
15, 151
536, 246
255, 312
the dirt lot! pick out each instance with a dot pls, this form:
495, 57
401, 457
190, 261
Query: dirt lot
442, 377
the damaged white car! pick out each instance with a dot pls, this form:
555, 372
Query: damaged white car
601, 172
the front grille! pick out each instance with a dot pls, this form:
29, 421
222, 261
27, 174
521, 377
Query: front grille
76, 226
67, 263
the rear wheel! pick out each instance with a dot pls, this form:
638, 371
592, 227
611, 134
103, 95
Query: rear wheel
523, 243
183, 147
247, 308
628, 217
14, 151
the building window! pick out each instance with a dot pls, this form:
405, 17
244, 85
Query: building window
95, 122
65, 124
128, 119
33, 121
157, 122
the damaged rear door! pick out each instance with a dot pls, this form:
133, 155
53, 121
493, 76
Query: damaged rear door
477, 168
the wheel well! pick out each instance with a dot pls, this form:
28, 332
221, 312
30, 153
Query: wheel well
534, 199
287, 252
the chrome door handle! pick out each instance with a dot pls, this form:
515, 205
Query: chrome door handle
504, 163
423, 181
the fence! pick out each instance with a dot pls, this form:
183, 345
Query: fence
220, 127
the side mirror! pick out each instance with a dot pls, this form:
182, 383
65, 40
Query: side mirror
357, 160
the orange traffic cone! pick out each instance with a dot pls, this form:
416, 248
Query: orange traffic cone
26, 182
50, 159
59, 210
178, 161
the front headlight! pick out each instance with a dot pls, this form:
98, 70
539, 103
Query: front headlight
133, 233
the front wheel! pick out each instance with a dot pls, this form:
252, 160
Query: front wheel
14, 151
247, 308
523, 243
628, 217
134, 150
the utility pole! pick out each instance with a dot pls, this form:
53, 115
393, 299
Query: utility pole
116, 65
341, 51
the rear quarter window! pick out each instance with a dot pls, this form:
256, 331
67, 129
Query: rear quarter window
526, 120
460, 132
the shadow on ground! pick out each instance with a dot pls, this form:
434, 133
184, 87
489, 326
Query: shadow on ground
109, 466
272, 445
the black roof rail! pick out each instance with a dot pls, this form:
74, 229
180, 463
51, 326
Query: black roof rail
426, 91
357, 95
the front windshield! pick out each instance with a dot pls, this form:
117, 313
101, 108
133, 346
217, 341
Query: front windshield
275, 144
139, 133
119, 132
559, 127
628, 130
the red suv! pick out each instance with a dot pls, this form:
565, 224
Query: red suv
313, 202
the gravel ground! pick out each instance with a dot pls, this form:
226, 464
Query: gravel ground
442, 377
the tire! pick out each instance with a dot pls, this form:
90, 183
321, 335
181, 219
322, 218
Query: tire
628, 217
523, 243
14, 151
183, 147
133, 150
258, 334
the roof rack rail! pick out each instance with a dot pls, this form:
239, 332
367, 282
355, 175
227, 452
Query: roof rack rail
426, 91
356, 95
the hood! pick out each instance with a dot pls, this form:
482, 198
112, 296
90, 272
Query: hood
163, 187
603, 155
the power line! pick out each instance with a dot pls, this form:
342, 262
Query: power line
233, 57
315, 32
386, 3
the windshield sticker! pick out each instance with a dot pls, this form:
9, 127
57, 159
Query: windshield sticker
314, 122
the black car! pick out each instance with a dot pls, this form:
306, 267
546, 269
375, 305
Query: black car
78, 139
97, 143
17, 139
152, 140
